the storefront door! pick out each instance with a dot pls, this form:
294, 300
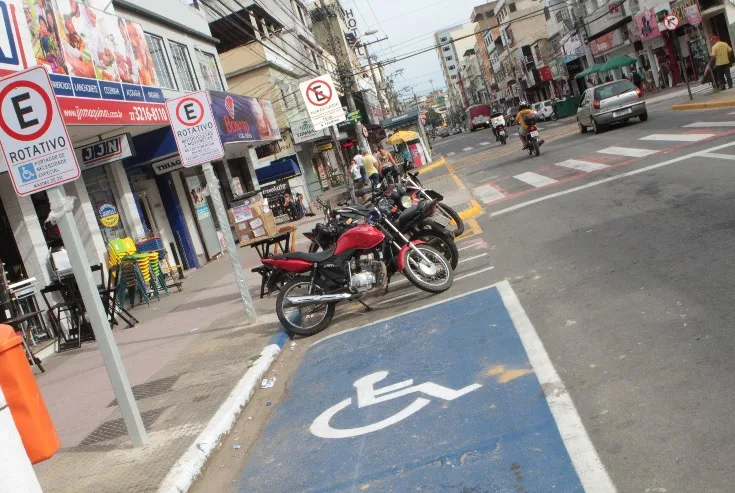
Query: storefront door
152, 207
199, 204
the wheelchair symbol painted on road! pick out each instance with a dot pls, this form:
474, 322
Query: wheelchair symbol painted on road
368, 395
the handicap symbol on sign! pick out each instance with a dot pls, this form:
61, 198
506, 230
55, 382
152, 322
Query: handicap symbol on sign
27, 173
368, 395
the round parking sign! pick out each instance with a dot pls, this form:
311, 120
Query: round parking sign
26, 110
189, 112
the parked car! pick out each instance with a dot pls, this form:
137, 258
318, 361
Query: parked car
443, 132
609, 103
544, 110
510, 116
478, 116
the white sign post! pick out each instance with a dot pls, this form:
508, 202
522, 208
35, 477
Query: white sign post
194, 129
198, 140
39, 156
322, 102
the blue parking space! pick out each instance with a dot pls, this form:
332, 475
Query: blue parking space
439, 399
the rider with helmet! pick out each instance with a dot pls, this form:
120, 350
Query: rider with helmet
524, 109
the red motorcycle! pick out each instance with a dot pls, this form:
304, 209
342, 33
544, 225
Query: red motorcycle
363, 258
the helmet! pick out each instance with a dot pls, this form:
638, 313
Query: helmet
524, 106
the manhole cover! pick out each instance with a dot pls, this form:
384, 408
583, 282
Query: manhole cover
110, 430
152, 388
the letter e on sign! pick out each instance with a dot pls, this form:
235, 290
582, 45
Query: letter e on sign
33, 137
196, 132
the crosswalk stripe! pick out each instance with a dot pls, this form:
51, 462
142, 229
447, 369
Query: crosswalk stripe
451, 153
678, 137
716, 155
467, 149
581, 165
627, 151
488, 193
484, 143
709, 124
534, 179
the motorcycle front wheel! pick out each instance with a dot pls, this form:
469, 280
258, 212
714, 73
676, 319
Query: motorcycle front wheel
456, 224
434, 276
441, 242
303, 320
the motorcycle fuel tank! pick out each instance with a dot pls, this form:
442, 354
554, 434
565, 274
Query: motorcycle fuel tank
361, 237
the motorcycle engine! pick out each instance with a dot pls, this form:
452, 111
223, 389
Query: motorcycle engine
367, 273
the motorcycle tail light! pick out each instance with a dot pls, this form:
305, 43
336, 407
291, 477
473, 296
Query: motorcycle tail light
596, 104
532, 128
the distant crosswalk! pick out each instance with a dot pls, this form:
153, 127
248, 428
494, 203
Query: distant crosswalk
603, 159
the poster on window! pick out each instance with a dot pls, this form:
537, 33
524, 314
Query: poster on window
208, 67
41, 18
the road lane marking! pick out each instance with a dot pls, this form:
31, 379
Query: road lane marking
590, 470
534, 179
627, 151
488, 193
717, 155
451, 153
469, 246
467, 149
404, 280
586, 166
678, 137
709, 124
472, 258
414, 293
609, 179
484, 143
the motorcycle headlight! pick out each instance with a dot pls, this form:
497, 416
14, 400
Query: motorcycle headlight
406, 201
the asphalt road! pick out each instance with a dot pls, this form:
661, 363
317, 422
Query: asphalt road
618, 247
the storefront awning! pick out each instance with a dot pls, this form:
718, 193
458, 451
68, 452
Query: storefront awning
277, 170
592, 70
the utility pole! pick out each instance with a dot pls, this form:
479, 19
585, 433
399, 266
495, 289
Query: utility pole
372, 74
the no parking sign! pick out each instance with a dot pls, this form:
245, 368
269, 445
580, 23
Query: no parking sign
194, 129
33, 137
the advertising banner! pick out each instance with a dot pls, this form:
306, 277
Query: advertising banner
303, 131
647, 25
243, 119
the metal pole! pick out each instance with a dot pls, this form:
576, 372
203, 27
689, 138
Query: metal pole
334, 132
680, 56
219, 209
97, 317
375, 82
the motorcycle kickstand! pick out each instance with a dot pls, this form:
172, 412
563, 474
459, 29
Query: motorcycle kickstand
367, 307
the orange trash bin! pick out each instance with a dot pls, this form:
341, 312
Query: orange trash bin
24, 399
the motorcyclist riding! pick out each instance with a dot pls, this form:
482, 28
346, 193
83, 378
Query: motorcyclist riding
523, 109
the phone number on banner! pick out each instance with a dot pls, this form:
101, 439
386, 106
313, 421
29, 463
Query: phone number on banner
80, 111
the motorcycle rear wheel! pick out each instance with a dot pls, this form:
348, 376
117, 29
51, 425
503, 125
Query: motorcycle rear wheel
432, 283
458, 226
292, 316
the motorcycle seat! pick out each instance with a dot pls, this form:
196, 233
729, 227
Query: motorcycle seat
306, 256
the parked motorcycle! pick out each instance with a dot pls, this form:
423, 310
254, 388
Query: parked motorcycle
446, 216
363, 258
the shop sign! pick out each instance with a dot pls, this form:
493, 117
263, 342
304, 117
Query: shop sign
572, 46
10, 56
167, 165
693, 15
243, 119
275, 191
104, 151
193, 127
33, 137
324, 147
303, 131
606, 42
109, 216
647, 25
545, 73
322, 102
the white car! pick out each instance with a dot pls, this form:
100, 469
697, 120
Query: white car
543, 109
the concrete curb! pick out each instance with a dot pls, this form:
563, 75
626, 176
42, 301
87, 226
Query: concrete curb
704, 106
473, 211
433, 165
189, 466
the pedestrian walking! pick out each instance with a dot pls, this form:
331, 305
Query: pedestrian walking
721, 58
386, 164
355, 172
371, 167
590, 84
637, 79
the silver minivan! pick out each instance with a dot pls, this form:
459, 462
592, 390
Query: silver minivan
608, 103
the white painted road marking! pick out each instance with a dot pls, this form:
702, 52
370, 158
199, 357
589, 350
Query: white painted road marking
627, 151
451, 153
488, 193
484, 143
609, 179
467, 149
716, 155
678, 137
472, 258
414, 293
709, 124
469, 246
534, 179
590, 469
586, 166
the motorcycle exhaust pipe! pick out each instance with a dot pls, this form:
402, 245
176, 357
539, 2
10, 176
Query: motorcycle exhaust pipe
318, 298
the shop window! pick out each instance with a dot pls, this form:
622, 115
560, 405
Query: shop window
103, 195
182, 66
209, 70
160, 61
446, 48
512, 7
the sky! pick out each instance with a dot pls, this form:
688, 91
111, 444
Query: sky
410, 26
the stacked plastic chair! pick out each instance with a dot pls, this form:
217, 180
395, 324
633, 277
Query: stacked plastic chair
130, 274
157, 276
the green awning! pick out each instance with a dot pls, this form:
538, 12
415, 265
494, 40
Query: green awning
598, 67
617, 62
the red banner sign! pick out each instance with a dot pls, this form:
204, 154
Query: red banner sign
83, 111
544, 73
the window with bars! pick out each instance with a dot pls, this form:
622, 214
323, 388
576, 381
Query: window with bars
182, 66
160, 61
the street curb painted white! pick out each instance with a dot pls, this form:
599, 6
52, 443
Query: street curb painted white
189, 466
587, 463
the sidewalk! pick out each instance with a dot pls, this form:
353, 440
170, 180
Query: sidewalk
184, 359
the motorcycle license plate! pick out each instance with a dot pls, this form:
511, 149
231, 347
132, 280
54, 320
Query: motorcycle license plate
502, 132
441, 219
534, 134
